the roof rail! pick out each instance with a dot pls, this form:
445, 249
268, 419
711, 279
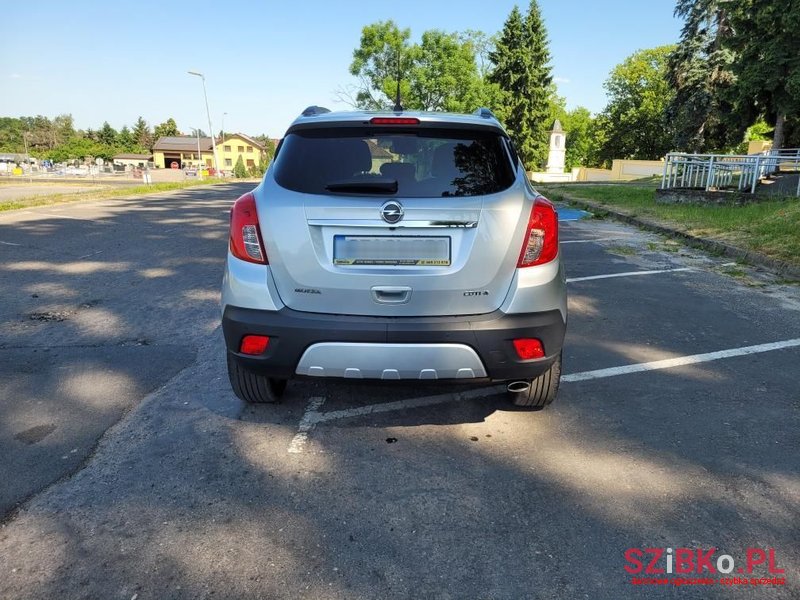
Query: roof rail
485, 113
313, 111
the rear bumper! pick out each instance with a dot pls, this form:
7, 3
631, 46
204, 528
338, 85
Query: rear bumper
292, 333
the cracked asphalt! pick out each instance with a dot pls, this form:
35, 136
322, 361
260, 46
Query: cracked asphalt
131, 471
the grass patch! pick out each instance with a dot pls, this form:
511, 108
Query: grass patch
622, 250
105, 192
768, 227
734, 271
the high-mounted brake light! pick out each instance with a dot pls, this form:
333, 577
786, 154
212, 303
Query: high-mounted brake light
245, 241
540, 244
394, 121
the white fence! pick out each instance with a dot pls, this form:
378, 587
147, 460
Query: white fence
741, 172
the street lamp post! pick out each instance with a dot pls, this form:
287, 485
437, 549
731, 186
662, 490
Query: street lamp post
27, 156
199, 154
208, 114
223, 127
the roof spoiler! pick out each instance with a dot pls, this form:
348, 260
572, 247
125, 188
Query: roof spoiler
313, 111
485, 113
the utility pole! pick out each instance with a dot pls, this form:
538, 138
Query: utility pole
199, 155
27, 156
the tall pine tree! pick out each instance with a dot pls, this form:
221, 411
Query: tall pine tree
699, 70
522, 71
142, 135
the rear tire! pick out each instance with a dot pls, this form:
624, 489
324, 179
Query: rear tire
543, 389
254, 388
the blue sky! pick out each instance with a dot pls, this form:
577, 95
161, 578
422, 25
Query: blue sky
265, 61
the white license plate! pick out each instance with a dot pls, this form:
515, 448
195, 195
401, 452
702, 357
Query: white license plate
391, 251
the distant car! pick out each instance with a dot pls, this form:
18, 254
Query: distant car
394, 246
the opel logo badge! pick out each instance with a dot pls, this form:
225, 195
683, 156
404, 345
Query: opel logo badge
391, 212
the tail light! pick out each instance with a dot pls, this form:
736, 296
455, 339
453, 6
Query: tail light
541, 238
246, 242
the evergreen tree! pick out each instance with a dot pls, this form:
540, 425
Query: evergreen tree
522, 71
107, 135
767, 65
142, 135
125, 140
239, 170
539, 91
702, 111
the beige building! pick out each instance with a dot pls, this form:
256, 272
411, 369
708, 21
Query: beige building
177, 152
235, 145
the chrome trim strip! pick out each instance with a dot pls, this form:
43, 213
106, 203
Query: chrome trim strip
400, 225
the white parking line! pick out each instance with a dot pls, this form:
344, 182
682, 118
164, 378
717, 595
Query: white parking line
372, 409
680, 361
312, 415
9, 244
307, 423
628, 274
44, 214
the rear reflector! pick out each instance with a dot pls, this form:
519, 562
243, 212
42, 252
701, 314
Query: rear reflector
245, 236
540, 244
528, 348
254, 344
394, 121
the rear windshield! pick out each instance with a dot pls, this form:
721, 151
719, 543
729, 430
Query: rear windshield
409, 163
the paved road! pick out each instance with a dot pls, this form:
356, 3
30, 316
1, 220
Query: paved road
102, 302
15, 192
369, 491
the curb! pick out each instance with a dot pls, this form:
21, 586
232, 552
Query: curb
779, 267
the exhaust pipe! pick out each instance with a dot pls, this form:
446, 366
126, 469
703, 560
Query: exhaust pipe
519, 387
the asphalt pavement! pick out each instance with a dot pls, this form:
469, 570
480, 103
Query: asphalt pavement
676, 427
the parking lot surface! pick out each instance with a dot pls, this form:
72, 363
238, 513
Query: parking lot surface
676, 427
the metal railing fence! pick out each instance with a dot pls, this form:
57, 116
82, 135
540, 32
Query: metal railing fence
740, 172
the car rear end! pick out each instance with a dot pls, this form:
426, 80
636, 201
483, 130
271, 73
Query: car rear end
394, 247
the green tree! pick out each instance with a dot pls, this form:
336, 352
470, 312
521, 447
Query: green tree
125, 140
767, 64
634, 121
269, 151
699, 70
64, 129
107, 135
167, 128
142, 135
40, 133
11, 131
440, 73
522, 71
384, 55
581, 145
444, 75
239, 170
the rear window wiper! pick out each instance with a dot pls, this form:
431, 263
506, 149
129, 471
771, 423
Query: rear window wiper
363, 186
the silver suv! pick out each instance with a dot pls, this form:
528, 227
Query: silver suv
394, 246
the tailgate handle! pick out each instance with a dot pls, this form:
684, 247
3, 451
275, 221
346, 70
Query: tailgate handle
391, 294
